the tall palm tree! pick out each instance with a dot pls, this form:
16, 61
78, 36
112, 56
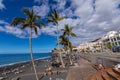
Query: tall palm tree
64, 42
31, 21
54, 17
67, 31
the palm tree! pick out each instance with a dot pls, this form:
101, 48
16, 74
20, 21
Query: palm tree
63, 40
30, 21
54, 18
67, 31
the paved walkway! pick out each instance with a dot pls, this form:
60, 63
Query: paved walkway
81, 72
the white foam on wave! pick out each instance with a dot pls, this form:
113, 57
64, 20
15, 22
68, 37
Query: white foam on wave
23, 61
44, 58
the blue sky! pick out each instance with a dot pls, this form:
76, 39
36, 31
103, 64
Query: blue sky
9, 43
91, 19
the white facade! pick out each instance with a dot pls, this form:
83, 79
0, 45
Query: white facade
91, 45
113, 37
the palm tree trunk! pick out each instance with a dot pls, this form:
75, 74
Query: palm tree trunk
69, 53
59, 47
70, 60
31, 54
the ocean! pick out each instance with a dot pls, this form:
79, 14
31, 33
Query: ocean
10, 59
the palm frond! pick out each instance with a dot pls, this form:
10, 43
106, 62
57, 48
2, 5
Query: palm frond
64, 40
71, 28
68, 31
49, 21
27, 12
40, 25
73, 35
50, 16
24, 26
54, 17
36, 32
30, 21
61, 18
56, 14
17, 21
37, 17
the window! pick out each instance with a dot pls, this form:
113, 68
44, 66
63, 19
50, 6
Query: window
115, 43
118, 38
119, 42
114, 39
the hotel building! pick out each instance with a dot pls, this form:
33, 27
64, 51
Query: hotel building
112, 38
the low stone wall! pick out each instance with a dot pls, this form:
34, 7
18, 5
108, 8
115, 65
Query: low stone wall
107, 61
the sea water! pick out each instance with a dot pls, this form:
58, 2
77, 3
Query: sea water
10, 59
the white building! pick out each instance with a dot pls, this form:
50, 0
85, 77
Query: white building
112, 37
93, 45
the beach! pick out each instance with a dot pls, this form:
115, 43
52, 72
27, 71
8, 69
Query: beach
24, 71
60, 40
80, 70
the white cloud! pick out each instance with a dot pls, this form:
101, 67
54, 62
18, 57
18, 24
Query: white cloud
84, 10
12, 30
1, 5
42, 10
51, 30
94, 18
60, 5
91, 18
16, 30
3, 22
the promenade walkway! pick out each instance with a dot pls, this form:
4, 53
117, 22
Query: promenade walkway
81, 72
85, 70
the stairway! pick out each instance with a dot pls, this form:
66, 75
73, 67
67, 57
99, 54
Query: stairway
113, 74
106, 74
